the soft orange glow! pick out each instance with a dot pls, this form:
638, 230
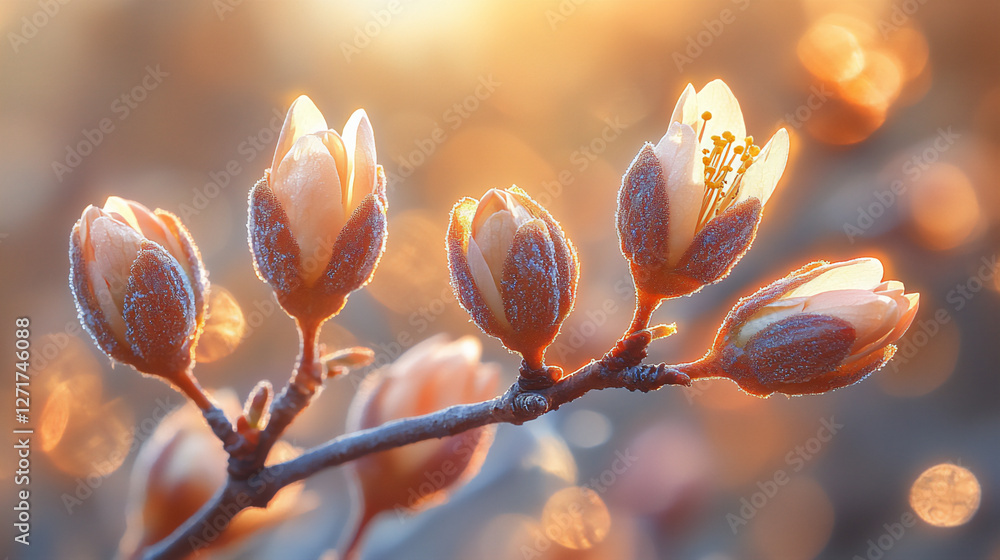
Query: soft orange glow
795, 524
878, 84
841, 123
910, 47
576, 518
925, 359
944, 207
945, 495
225, 326
55, 416
413, 272
831, 51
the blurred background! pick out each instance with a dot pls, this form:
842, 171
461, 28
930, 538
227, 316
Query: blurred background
893, 108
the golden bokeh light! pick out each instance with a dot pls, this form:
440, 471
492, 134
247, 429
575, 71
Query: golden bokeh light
945, 495
55, 417
878, 84
576, 518
97, 439
831, 51
225, 326
944, 206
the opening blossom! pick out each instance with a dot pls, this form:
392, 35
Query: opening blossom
139, 285
317, 220
823, 327
689, 207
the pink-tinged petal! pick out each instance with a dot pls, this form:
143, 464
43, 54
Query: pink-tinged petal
680, 158
892, 288
144, 221
335, 144
487, 286
873, 316
308, 187
90, 213
493, 201
762, 176
115, 247
686, 109
768, 315
359, 142
860, 274
494, 239
718, 99
906, 318
303, 118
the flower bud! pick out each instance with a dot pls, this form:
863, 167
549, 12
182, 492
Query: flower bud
513, 269
139, 285
689, 207
179, 468
317, 224
823, 327
431, 376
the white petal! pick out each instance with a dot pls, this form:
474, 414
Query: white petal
303, 118
872, 316
858, 274
768, 315
680, 158
359, 142
308, 186
763, 175
718, 99
483, 278
686, 109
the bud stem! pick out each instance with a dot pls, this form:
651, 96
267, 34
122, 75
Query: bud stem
188, 385
645, 305
309, 370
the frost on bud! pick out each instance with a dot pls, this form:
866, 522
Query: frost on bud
823, 327
317, 224
139, 286
689, 207
513, 269
431, 376
179, 468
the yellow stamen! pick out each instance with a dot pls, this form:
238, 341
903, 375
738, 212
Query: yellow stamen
720, 190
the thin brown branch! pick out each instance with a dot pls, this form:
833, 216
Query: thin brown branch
621, 367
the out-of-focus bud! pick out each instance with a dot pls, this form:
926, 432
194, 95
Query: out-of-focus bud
139, 286
317, 224
823, 327
256, 411
431, 376
689, 207
513, 269
179, 468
